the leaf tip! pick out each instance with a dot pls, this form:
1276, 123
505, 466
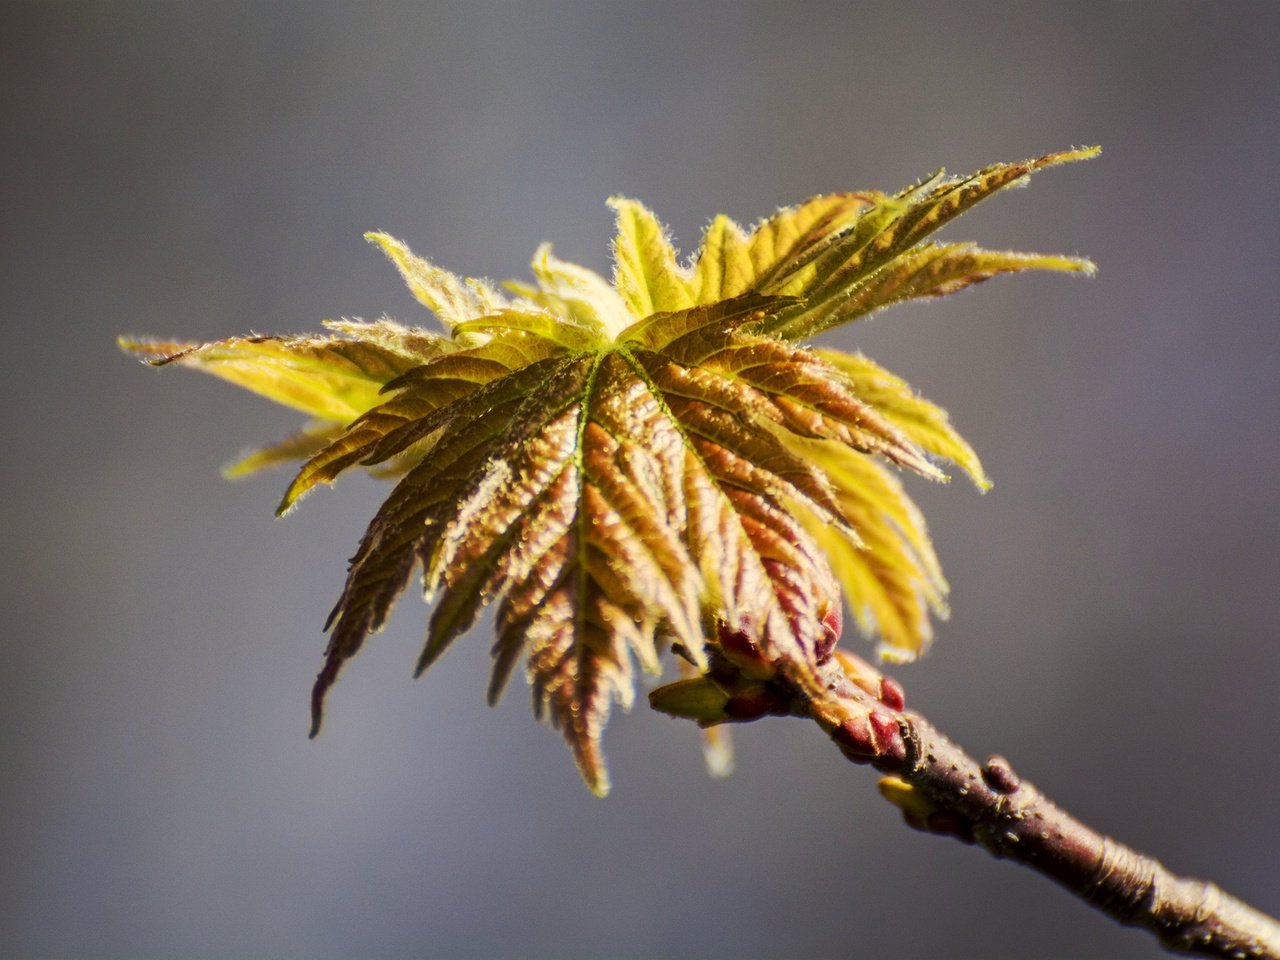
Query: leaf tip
389, 245
437, 641
623, 206
1073, 155
237, 469
153, 352
317, 713
889, 653
301, 485
324, 680
597, 778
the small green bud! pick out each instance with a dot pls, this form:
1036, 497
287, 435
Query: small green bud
698, 698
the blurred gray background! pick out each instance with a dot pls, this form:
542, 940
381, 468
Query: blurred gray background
201, 170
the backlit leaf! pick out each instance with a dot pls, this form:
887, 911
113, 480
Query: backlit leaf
924, 423
658, 464
302, 445
645, 269
832, 269
574, 293
451, 298
325, 377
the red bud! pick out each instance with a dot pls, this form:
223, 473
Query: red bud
999, 776
888, 736
741, 649
832, 628
891, 694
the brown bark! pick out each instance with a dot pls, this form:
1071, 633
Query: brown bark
992, 806
1013, 820
943, 790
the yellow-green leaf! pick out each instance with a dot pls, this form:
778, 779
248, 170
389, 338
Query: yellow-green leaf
925, 423
576, 293
724, 268
888, 229
326, 377
427, 397
451, 298
783, 244
413, 343
890, 574
655, 465
645, 270
709, 323
302, 445
544, 325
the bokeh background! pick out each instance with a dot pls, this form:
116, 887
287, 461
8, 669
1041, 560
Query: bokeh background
206, 169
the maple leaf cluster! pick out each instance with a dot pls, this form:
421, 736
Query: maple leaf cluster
645, 465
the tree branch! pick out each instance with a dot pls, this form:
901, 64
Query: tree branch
942, 790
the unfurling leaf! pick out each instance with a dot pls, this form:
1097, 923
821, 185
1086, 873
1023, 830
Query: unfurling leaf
649, 465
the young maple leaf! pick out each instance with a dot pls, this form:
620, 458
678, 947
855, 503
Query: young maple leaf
645, 465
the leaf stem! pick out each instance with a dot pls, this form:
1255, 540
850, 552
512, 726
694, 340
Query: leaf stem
942, 790
988, 804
